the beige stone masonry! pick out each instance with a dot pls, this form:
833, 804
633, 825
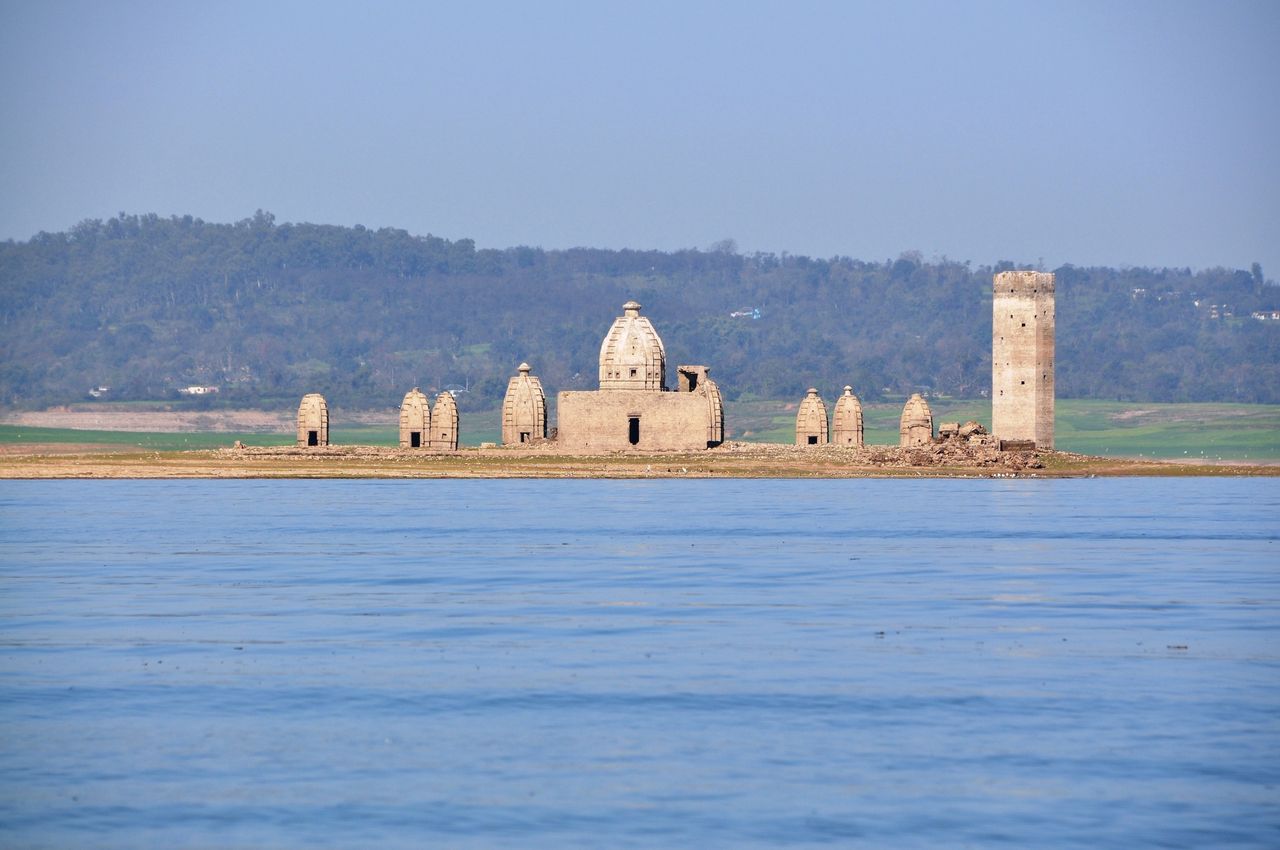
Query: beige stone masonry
1022, 352
632, 411
916, 426
444, 422
632, 356
415, 420
524, 409
847, 421
313, 421
811, 420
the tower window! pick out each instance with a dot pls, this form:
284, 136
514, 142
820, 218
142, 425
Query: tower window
633, 430
633, 373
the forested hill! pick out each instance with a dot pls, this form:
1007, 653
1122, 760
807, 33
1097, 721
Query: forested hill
265, 311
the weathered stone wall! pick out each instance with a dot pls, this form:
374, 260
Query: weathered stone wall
524, 409
847, 421
1022, 352
313, 421
444, 422
811, 420
602, 421
415, 420
915, 428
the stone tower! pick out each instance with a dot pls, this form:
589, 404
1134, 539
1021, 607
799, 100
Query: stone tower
415, 420
524, 410
811, 420
444, 422
1022, 320
916, 426
313, 421
847, 424
632, 356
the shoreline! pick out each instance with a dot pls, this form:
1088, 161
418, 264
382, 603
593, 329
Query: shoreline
732, 460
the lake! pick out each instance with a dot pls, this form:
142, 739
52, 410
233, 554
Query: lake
546, 664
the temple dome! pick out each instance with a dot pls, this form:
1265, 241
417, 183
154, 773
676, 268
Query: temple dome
632, 356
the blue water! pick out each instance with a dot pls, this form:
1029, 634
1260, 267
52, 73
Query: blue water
546, 664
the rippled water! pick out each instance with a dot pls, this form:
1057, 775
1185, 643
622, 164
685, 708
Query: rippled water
640, 664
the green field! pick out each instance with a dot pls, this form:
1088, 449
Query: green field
1245, 432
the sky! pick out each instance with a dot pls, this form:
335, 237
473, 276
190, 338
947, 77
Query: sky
1092, 133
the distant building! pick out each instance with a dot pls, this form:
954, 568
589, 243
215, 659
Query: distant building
1022, 352
847, 425
444, 422
916, 426
811, 420
524, 409
415, 420
313, 421
633, 409
198, 390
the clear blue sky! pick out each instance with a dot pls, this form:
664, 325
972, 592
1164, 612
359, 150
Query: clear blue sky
1141, 133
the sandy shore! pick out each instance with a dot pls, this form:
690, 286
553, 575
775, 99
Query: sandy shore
733, 460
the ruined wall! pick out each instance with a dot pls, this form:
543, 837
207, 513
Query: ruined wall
915, 428
415, 420
847, 421
603, 421
1022, 352
444, 422
811, 420
524, 409
632, 356
313, 421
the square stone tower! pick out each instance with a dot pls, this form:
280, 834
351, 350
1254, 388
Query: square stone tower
1022, 320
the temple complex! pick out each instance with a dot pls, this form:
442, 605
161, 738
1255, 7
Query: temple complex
916, 426
313, 421
415, 420
811, 420
633, 408
1022, 351
847, 421
524, 409
444, 422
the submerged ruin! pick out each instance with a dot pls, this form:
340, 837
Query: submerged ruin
847, 421
524, 409
811, 420
313, 421
633, 409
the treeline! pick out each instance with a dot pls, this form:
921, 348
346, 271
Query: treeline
266, 312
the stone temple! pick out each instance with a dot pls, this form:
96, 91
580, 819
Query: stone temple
415, 420
633, 409
916, 426
811, 420
524, 410
1022, 330
313, 421
847, 425
444, 422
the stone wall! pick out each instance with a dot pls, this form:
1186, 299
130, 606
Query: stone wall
1022, 352
634, 420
